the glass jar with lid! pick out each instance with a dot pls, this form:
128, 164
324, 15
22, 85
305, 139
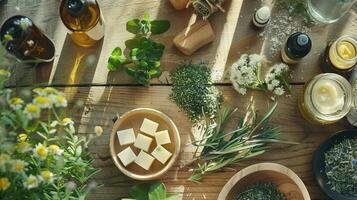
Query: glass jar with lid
326, 99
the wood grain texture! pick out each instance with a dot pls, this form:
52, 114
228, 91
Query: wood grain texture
74, 65
101, 104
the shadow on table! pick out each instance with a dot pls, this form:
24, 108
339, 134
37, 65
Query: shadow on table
76, 64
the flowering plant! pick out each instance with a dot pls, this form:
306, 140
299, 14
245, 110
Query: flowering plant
41, 157
246, 73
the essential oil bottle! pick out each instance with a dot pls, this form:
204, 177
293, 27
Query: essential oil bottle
341, 55
84, 20
296, 47
261, 17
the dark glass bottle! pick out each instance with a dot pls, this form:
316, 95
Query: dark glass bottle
83, 19
23, 39
297, 46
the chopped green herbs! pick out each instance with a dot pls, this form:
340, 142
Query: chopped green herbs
341, 167
143, 61
194, 92
260, 191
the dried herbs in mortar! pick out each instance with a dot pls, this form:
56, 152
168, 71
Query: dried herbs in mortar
341, 167
193, 91
260, 191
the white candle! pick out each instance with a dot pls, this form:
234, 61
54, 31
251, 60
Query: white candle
328, 97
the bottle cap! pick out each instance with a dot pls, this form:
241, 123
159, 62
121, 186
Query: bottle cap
298, 45
262, 15
75, 7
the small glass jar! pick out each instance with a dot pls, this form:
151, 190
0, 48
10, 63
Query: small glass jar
341, 55
326, 99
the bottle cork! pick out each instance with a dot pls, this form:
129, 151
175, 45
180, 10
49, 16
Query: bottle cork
179, 4
194, 37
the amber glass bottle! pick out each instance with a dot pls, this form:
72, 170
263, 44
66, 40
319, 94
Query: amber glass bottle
23, 39
84, 20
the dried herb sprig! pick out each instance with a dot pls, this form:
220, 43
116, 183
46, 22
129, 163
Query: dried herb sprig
206, 8
193, 90
341, 167
250, 138
259, 191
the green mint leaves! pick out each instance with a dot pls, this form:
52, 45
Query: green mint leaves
145, 26
143, 60
153, 191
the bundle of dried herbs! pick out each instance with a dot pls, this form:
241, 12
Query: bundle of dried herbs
259, 191
221, 148
341, 167
206, 8
193, 90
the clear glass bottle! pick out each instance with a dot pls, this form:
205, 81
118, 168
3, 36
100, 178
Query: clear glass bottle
328, 11
84, 20
326, 99
352, 115
23, 39
341, 55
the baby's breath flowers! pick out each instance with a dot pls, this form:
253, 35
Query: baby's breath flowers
275, 79
246, 74
40, 152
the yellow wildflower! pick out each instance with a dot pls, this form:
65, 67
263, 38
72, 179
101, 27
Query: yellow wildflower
22, 137
4, 183
16, 103
42, 102
98, 130
32, 111
31, 182
67, 121
47, 176
18, 165
50, 90
59, 101
55, 149
39, 91
40, 151
4, 73
23, 147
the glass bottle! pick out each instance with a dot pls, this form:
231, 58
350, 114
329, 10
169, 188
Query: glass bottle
296, 47
328, 11
352, 115
84, 20
23, 39
341, 55
326, 99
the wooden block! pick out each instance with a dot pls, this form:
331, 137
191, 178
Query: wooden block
179, 4
194, 37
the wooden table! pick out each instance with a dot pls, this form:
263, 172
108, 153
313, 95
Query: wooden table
82, 74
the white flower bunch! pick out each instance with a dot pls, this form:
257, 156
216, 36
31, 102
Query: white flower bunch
245, 73
275, 79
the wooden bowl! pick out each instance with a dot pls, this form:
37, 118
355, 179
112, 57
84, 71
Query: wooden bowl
133, 119
319, 162
287, 181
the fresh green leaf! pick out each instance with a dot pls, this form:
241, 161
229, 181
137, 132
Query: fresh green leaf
157, 191
172, 197
159, 26
117, 52
133, 43
133, 26
140, 192
116, 60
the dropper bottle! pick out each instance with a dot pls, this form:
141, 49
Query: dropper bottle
296, 47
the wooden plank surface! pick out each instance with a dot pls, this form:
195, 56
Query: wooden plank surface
82, 66
101, 104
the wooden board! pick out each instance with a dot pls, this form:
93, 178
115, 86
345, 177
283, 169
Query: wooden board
82, 66
101, 104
